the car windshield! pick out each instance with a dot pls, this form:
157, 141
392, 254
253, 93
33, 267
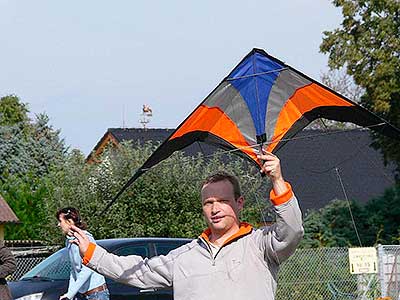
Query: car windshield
55, 267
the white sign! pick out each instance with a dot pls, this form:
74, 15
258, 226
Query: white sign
363, 260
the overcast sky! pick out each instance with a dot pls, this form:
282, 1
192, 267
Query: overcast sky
91, 65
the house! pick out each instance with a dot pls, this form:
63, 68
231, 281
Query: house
323, 166
320, 165
6, 216
115, 136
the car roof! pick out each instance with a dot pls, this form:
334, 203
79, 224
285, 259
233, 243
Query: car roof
117, 242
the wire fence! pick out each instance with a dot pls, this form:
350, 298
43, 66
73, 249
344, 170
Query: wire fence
28, 257
324, 273
317, 274
389, 270
25, 264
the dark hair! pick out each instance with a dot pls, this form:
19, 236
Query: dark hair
71, 213
221, 176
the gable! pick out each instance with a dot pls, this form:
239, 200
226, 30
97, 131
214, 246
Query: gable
6, 213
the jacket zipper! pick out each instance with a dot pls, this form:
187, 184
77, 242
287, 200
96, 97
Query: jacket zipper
210, 251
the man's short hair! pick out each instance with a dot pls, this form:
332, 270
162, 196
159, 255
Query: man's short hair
221, 176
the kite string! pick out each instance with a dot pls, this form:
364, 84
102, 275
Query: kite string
345, 193
349, 205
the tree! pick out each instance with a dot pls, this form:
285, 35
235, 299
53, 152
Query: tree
36, 153
383, 217
13, 112
368, 45
165, 201
29, 151
25, 197
377, 222
332, 226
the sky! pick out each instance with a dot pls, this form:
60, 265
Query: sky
91, 65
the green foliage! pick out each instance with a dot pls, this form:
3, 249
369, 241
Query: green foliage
27, 147
384, 217
165, 201
332, 226
35, 153
368, 45
29, 151
13, 112
26, 199
377, 223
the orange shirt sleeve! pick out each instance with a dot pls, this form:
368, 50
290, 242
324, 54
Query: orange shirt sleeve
88, 253
282, 198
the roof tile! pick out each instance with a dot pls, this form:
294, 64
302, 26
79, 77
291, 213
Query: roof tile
6, 213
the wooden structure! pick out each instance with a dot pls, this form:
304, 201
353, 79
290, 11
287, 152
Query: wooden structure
6, 216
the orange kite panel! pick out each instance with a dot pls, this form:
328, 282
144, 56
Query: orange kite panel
303, 100
213, 120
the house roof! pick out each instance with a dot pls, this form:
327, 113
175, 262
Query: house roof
140, 135
311, 162
319, 163
6, 213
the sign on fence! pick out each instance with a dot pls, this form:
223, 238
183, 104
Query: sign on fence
363, 260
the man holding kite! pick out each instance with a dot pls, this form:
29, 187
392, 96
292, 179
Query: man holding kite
230, 260
262, 102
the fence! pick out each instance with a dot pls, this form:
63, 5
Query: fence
24, 264
389, 270
318, 274
324, 273
28, 257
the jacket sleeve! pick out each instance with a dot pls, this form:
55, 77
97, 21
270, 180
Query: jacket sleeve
7, 262
156, 272
75, 283
280, 240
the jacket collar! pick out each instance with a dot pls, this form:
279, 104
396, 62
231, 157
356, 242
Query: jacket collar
244, 229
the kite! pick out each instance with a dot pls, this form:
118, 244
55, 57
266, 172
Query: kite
261, 103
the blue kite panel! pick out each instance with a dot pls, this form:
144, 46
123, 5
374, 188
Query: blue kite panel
255, 89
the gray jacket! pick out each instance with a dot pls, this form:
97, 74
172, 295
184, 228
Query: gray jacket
244, 268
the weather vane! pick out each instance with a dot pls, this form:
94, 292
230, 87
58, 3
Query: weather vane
145, 116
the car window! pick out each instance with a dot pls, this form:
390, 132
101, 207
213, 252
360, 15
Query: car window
56, 267
141, 250
163, 248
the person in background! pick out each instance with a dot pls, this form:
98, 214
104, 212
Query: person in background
230, 259
82, 279
7, 267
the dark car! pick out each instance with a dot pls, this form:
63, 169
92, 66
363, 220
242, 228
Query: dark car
49, 279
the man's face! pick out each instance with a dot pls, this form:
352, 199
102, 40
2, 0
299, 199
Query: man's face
220, 208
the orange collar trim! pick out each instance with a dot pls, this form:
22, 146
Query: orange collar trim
244, 229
